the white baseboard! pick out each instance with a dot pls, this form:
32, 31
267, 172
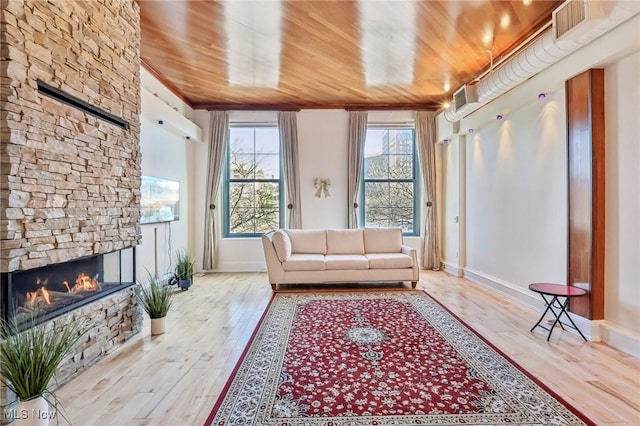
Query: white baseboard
241, 267
590, 329
453, 268
620, 338
507, 289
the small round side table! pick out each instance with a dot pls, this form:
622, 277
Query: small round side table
550, 294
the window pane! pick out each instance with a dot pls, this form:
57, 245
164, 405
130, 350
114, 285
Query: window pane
401, 166
242, 166
373, 144
241, 220
267, 166
254, 207
377, 217
401, 194
241, 195
241, 139
376, 194
267, 140
376, 167
401, 217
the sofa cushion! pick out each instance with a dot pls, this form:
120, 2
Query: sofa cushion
346, 261
389, 260
382, 240
308, 240
282, 244
304, 262
345, 241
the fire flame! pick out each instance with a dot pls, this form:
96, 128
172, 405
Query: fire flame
41, 294
45, 295
83, 283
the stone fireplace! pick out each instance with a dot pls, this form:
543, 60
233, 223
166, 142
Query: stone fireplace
70, 168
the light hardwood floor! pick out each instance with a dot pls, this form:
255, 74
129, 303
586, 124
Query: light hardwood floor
175, 379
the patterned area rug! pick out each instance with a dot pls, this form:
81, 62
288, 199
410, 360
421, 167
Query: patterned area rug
393, 358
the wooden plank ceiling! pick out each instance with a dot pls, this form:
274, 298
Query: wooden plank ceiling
292, 54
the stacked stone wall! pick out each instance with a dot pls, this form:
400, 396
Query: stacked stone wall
69, 182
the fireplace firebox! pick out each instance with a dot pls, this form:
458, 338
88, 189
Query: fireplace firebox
37, 295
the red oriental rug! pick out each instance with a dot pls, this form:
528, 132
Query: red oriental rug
394, 358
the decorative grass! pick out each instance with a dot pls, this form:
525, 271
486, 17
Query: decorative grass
29, 359
184, 265
155, 298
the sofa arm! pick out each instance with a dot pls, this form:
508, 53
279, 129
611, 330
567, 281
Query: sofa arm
410, 251
274, 266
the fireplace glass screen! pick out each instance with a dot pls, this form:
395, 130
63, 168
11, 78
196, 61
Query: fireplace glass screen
40, 294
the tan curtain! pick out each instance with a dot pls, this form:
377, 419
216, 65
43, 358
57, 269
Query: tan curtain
219, 128
288, 129
426, 139
357, 135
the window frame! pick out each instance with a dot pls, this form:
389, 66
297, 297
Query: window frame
415, 180
227, 180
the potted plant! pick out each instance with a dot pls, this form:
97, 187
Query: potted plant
184, 269
28, 362
156, 299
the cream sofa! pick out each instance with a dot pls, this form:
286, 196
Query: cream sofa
338, 255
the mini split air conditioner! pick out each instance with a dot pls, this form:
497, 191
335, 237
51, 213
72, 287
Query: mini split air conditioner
464, 96
573, 18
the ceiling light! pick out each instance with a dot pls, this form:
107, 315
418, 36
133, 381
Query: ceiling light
542, 95
470, 130
505, 21
446, 104
487, 38
254, 43
526, 2
499, 117
447, 86
388, 43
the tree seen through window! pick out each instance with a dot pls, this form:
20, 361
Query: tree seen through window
253, 176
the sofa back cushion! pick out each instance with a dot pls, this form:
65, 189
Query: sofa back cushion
383, 240
311, 241
282, 244
345, 241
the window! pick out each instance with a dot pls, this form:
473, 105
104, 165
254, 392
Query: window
389, 181
253, 187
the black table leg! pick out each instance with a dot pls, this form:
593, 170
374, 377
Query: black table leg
552, 305
564, 311
560, 306
543, 314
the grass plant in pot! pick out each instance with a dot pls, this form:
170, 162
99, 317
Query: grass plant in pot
28, 363
184, 269
156, 299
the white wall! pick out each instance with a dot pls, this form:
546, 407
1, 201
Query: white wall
164, 155
516, 195
453, 182
622, 192
516, 185
450, 183
322, 135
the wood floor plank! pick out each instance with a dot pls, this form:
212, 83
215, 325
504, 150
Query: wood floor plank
176, 378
